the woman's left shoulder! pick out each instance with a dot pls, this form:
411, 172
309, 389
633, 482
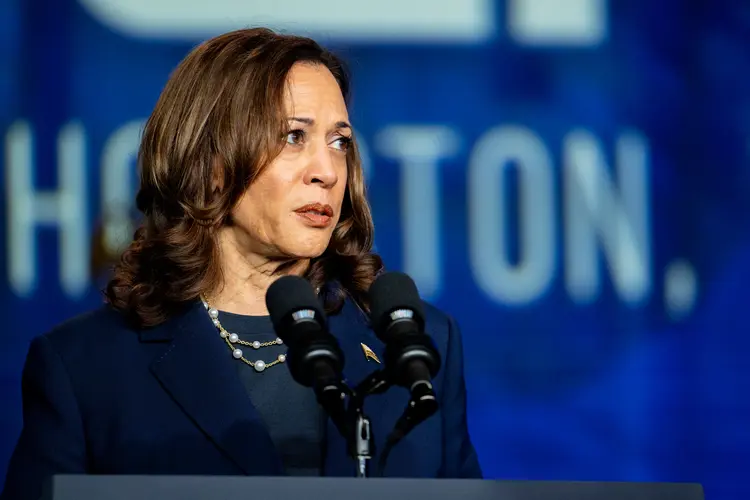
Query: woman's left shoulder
439, 324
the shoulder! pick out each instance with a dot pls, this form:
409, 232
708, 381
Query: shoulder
438, 322
89, 324
445, 332
99, 330
78, 353
96, 351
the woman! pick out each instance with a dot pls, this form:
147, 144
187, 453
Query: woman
249, 170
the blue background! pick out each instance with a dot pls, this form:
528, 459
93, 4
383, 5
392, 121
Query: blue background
558, 389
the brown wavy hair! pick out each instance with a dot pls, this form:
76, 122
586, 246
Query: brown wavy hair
222, 108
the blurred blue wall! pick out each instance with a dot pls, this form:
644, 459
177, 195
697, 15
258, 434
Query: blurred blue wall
572, 183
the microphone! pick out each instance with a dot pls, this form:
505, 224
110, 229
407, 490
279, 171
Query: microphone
411, 358
313, 354
398, 320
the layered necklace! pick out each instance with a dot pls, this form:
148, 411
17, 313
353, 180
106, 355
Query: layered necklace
235, 343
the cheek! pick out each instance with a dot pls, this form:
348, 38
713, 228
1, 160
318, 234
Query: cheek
243, 214
269, 194
259, 207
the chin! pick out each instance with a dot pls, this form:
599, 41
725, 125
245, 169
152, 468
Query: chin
307, 249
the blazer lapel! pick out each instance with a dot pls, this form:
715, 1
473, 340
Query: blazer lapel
352, 330
197, 372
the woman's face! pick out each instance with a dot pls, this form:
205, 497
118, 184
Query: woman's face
292, 207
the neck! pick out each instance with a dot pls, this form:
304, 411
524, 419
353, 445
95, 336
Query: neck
246, 278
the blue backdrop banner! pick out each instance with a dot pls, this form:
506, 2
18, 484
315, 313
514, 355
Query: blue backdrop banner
570, 180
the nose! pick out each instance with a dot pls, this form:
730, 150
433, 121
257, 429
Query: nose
322, 167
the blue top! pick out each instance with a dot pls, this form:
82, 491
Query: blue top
290, 411
100, 397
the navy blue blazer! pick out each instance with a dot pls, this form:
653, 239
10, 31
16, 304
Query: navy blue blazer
102, 398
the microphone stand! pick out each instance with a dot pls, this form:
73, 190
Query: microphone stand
352, 422
361, 441
364, 444
354, 425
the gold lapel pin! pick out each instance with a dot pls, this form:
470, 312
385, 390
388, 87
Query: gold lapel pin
369, 354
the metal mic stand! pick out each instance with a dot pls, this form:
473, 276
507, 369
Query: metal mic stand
354, 424
362, 443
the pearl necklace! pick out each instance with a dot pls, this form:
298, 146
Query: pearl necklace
233, 340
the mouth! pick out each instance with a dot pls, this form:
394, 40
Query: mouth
316, 214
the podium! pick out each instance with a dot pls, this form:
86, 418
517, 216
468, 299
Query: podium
79, 487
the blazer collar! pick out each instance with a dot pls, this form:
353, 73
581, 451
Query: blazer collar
198, 374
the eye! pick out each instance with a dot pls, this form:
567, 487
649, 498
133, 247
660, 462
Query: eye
342, 143
295, 137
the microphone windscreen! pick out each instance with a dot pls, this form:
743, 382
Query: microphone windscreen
390, 292
290, 294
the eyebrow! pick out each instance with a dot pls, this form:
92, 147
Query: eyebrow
310, 121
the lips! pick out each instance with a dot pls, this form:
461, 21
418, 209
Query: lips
316, 214
316, 208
